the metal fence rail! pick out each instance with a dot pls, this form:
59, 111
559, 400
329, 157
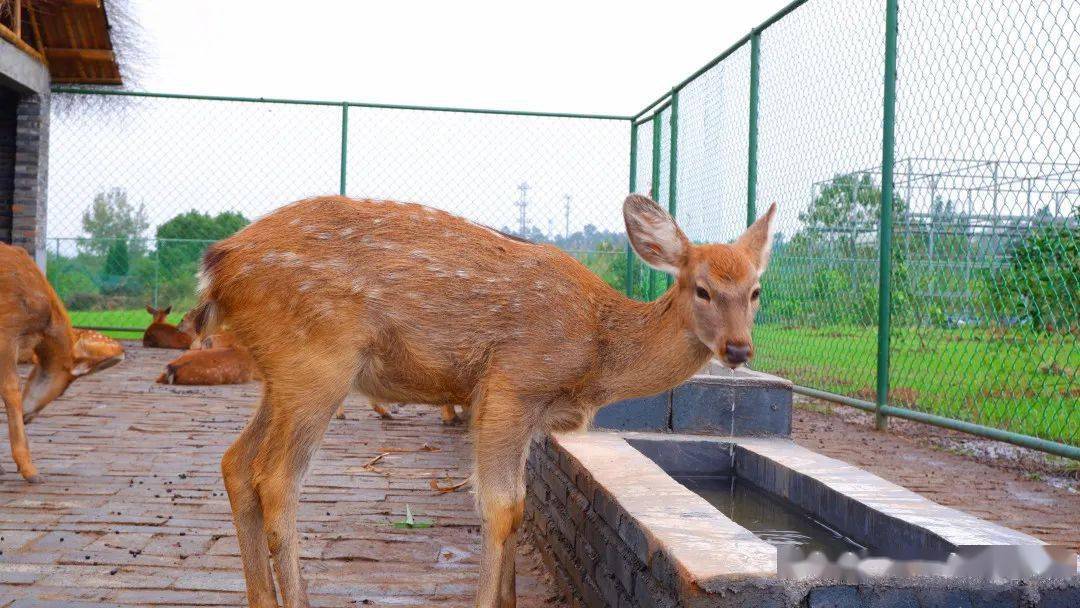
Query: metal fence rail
926, 164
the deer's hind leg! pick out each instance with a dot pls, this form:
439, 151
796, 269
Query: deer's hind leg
236, 471
301, 409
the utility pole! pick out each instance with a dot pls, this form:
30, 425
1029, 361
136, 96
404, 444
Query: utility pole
522, 206
568, 199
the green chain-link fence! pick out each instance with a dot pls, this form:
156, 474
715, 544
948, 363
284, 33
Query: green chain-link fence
140, 184
968, 159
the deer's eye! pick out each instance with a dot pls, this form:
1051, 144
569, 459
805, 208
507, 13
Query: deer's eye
703, 294
754, 295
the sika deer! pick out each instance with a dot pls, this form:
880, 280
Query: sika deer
407, 303
210, 366
31, 315
162, 334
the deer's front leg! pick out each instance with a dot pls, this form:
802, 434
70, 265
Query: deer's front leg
9, 393
502, 441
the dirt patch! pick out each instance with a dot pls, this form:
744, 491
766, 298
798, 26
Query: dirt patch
1023, 489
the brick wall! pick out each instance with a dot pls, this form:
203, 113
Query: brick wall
597, 564
8, 103
28, 209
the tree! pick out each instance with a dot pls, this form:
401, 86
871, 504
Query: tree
112, 217
182, 239
1040, 280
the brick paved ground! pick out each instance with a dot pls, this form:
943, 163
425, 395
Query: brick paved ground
133, 511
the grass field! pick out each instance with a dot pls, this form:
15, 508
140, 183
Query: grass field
1017, 380
117, 318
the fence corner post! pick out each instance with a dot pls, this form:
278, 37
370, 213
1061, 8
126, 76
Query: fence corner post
888, 149
633, 188
344, 147
752, 140
673, 161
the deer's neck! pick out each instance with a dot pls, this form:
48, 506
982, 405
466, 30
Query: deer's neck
647, 347
56, 350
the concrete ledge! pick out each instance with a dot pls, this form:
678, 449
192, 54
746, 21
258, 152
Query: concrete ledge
718, 402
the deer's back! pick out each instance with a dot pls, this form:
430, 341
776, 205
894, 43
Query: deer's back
27, 301
427, 299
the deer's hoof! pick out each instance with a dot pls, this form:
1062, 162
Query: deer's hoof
36, 478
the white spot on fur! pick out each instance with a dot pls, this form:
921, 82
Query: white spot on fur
462, 274
345, 232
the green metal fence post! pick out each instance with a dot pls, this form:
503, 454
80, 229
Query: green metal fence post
633, 188
654, 188
752, 144
888, 145
673, 160
344, 146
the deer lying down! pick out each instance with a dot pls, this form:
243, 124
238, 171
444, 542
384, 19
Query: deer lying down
33, 317
162, 334
407, 303
210, 366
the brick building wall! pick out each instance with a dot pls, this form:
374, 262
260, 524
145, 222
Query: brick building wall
8, 103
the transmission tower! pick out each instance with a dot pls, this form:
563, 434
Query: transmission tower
568, 199
523, 204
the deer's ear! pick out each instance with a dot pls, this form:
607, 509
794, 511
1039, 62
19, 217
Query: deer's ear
151, 310
757, 240
654, 235
167, 310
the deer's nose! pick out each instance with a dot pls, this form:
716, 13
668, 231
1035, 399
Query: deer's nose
736, 354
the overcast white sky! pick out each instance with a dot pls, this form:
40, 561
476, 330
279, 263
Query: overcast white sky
980, 94
558, 55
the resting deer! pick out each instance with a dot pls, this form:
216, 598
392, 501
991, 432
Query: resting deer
406, 303
31, 315
209, 366
162, 334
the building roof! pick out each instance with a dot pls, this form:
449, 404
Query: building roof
71, 37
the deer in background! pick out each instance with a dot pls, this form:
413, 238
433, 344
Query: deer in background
32, 317
162, 334
407, 303
210, 366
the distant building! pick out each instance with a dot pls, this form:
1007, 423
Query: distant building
41, 43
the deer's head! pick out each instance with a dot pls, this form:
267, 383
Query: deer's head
91, 352
161, 315
717, 283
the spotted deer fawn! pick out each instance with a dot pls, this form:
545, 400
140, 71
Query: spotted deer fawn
33, 317
209, 366
407, 303
162, 334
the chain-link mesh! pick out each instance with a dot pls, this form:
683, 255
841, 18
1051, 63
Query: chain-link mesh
820, 119
987, 272
140, 186
985, 262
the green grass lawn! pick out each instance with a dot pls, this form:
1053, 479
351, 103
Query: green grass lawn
118, 318
1017, 380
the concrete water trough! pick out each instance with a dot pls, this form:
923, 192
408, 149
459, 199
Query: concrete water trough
697, 497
